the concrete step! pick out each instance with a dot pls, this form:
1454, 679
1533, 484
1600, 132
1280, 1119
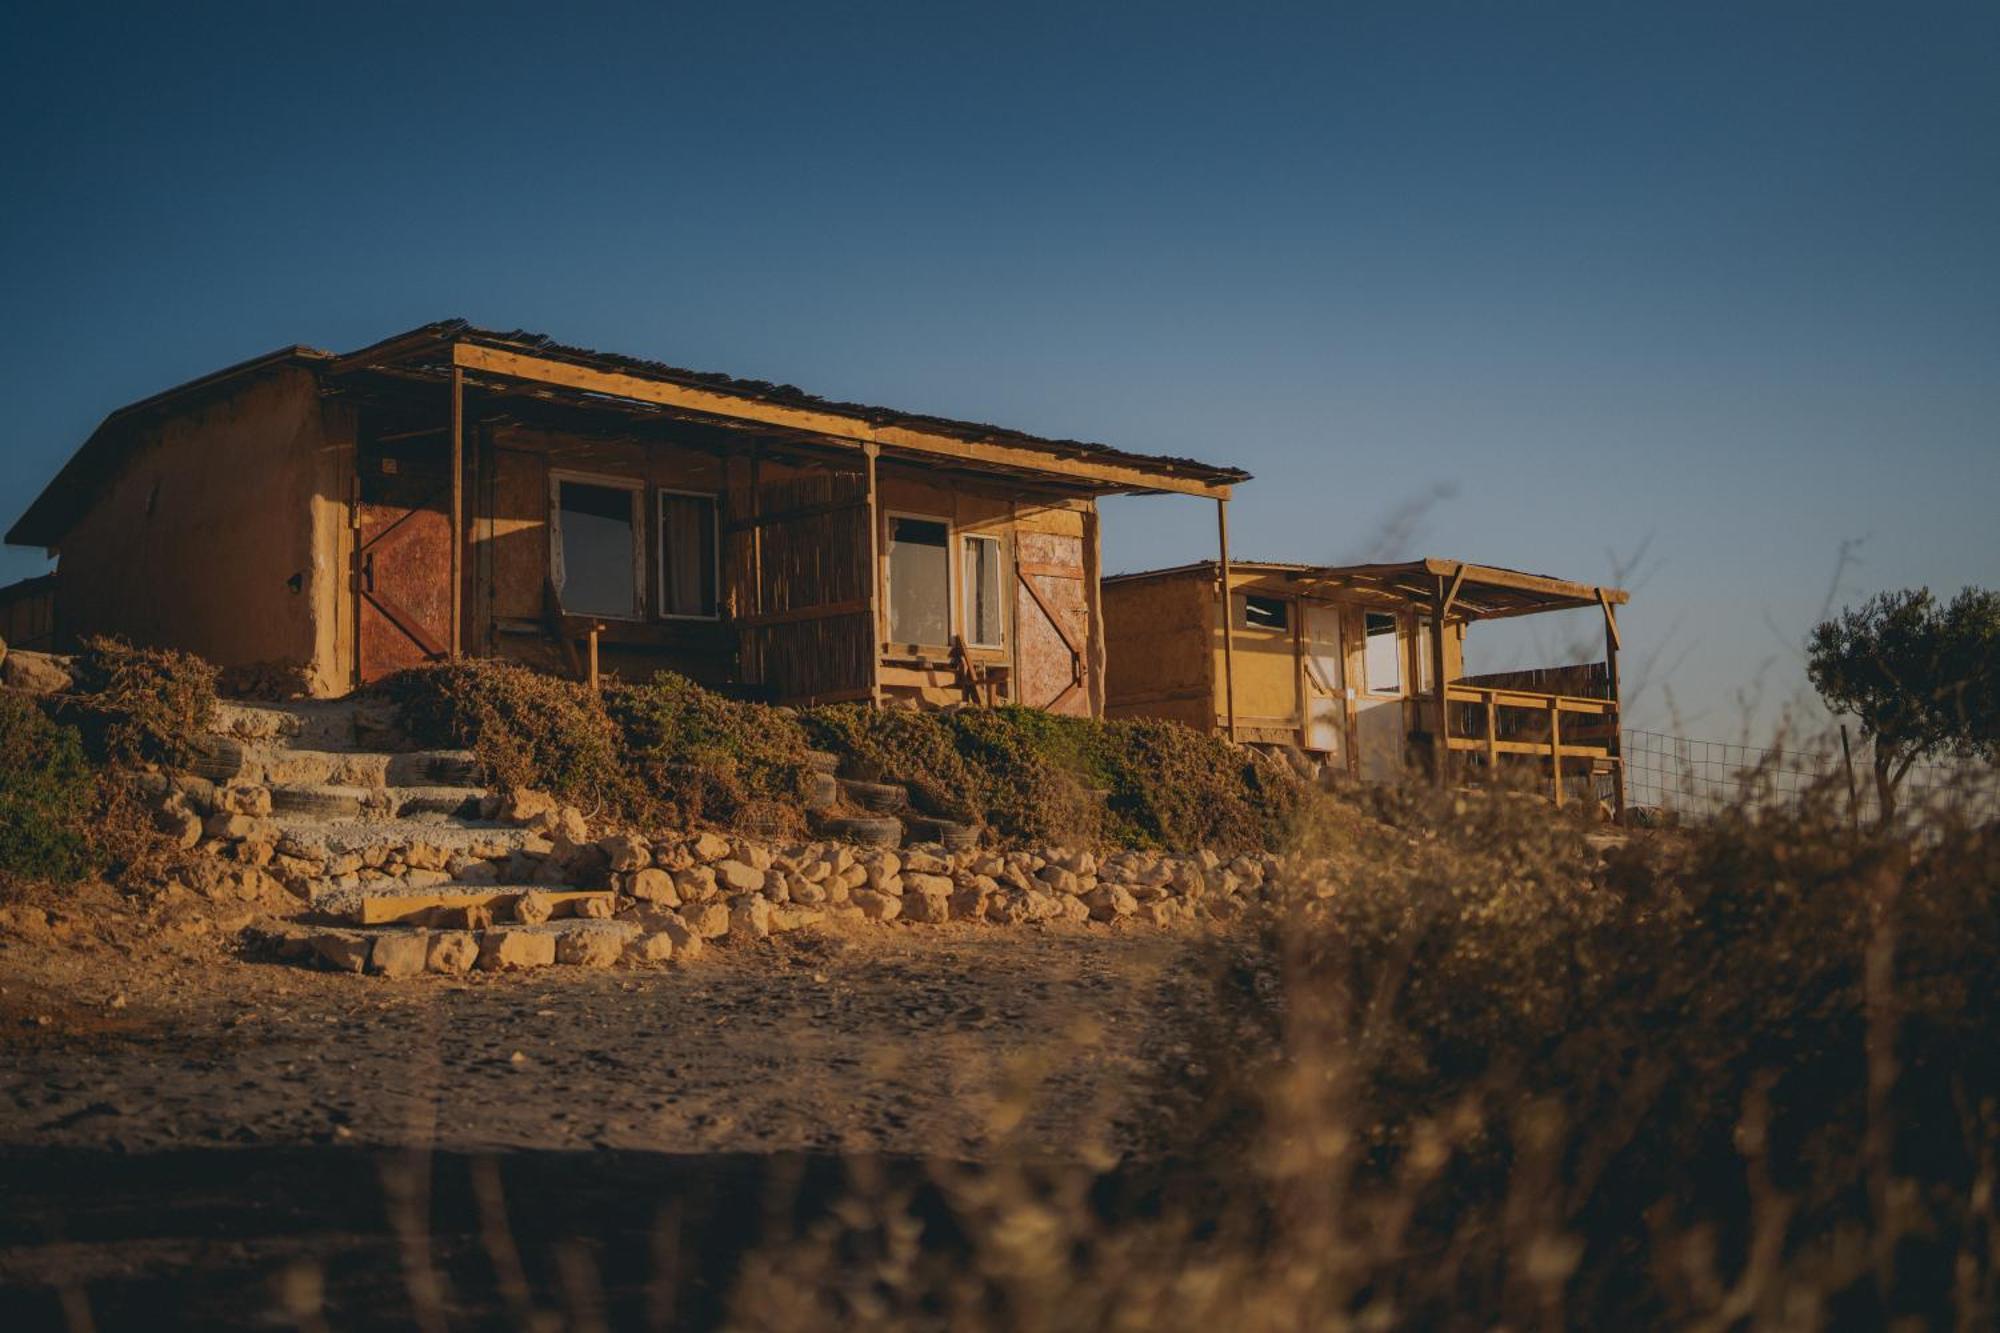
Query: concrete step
228, 759
363, 722
317, 839
312, 800
455, 906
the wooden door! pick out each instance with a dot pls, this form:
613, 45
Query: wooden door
1381, 732
1054, 617
402, 566
1326, 681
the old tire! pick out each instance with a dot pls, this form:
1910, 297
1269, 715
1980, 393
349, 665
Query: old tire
882, 798
954, 836
867, 830
316, 803
822, 792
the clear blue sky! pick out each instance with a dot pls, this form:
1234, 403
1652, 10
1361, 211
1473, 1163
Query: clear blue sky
1715, 281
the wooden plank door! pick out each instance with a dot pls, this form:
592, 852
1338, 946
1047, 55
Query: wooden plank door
1054, 617
402, 566
1326, 681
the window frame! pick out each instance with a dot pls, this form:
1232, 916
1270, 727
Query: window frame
999, 540
1402, 668
1284, 605
636, 488
714, 498
889, 517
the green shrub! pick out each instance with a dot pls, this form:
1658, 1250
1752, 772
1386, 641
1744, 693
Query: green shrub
140, 705
529, 729
697, 755
47, 790
1034, 776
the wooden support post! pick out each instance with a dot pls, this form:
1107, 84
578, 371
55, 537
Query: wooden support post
751, 641
1613, 641
595, 630
1441, 737
457, 510
1093, 599
873, 583
1556, 748
1228, 622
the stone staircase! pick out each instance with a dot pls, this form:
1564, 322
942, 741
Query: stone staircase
403, 861
397, 854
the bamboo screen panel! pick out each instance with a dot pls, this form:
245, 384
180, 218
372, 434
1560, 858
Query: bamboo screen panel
807, 562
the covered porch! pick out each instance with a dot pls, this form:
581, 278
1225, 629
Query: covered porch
1562, 722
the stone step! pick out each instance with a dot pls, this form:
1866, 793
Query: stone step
303, 800
226, 759
403, 951
319, 839
363, 722
453, 905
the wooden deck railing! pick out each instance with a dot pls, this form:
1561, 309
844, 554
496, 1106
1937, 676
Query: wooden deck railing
1595, 740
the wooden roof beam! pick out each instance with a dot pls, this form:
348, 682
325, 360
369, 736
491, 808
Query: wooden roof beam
1100, 475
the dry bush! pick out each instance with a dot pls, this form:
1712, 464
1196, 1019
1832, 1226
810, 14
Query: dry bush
1733, 1077
700, 756
46, 788
139, 706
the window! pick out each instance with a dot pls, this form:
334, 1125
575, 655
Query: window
919, 581
1383, 657
1424, 682
1266, 613
688, 553
985, 613
595, 545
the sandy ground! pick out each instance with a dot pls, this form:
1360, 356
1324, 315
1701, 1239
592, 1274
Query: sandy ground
183, 1133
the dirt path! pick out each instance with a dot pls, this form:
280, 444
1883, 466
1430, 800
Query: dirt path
186, 1138
937, 1042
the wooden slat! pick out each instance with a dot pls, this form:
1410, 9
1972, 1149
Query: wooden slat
617, 384
1048, 571
1570, 749
794, 515
856, 607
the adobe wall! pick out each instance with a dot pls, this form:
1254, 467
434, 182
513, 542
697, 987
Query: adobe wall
203, 540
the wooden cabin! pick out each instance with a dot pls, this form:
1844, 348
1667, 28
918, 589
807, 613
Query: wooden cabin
455, 490
1344, 665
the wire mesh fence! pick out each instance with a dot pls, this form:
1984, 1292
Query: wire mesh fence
1695, 778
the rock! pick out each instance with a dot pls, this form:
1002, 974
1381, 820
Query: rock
1109, 902
930, 904
424, 856
230, 826
521, 807
398, 955
653, 886
754, 855
750, 915
736, 877
709, 847
920, 882
426, 879
244, 800
878, 906
1162, 912
504, 950
968, 903
696, 884
807, 893
598, 907
589, 948
924, 863
784, 919
1059, 880
624, 851
563, 824
344, 950
34, 673
709, 920
478, 872
657, 947
452, 951
534, 907
183, 827
687, 941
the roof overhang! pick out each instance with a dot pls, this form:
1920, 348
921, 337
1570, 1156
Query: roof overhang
505, 360
1472, 592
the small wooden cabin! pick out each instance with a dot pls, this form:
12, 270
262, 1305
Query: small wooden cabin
456, 490
1345, 665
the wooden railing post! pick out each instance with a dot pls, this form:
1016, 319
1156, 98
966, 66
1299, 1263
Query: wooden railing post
1556, 747
1492, 736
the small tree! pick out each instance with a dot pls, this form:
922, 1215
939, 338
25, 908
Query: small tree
1921, 676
